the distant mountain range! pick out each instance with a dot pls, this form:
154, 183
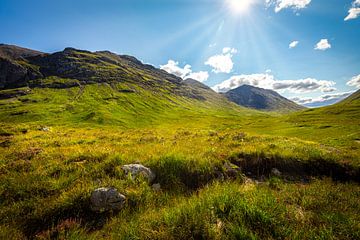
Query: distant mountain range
21, 67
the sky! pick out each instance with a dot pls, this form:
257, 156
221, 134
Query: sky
307, 50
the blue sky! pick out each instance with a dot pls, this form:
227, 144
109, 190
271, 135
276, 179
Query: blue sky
224, 43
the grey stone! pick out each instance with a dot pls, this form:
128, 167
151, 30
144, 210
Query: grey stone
275, 172
45, 129
106, 199
156, 187
136, 170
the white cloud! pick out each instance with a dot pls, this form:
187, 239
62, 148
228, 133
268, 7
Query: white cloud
321, 100
268, 81
354, 11
293, 4
172, 67
293, 44
258, 80
354, 81
323, 44
227, 50
222, 63
201, 76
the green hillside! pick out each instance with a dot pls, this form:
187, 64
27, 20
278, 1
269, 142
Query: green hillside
225, 171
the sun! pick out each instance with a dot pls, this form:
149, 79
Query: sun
240, 6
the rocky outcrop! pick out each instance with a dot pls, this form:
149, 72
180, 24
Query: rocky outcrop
15, 75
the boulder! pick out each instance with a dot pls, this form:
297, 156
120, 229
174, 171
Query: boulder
106, 199
136, 170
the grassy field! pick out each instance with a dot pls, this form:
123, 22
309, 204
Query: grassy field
58, 145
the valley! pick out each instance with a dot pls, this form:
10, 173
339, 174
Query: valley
70, 120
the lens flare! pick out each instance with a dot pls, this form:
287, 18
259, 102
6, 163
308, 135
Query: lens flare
240, 6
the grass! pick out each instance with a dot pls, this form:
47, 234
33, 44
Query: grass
58, 145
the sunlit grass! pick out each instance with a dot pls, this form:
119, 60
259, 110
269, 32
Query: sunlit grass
58, 146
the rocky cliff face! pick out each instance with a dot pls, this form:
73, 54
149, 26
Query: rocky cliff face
15, 69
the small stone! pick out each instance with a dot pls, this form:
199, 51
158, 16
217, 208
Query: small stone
248, 180
137, 170
45, 129
275, 172
156, 187
106, 199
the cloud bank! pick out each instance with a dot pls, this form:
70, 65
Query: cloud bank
268, 81
322, 100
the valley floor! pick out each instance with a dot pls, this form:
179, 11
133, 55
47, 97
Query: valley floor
49, 172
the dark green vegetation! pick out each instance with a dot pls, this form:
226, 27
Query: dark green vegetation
69, 128
262, 99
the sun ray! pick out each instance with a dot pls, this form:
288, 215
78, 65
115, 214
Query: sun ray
240, 6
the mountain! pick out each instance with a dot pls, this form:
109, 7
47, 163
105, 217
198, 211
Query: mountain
73, 67
261, 99
14, 52
81, 86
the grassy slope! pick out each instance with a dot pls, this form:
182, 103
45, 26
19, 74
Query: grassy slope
46, 177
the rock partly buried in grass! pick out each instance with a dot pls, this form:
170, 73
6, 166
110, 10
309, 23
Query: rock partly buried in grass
137, 170
275, 172
45, 129
231, 170
106, 199
156, 187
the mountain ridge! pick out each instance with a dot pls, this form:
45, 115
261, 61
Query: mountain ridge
261, 99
